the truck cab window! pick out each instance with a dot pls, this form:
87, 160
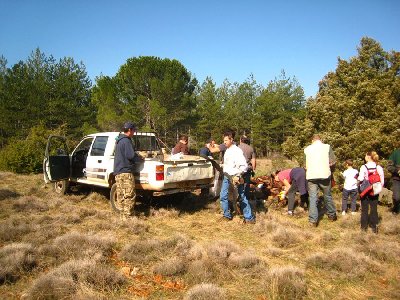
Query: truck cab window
99, 146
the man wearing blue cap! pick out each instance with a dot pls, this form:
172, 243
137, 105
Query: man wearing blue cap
123, 171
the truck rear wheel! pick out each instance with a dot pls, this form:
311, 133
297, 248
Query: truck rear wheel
113, 199
61, 187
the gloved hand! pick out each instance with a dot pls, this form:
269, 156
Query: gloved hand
236, 180
282, 195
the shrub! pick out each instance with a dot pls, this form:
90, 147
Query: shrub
377, 248
6, 193
344, 263
391, 226
141, 251
221, 250
203, 271
30, 204
15, 259
171, 266
136, 226
13, 229
25, 156
205, 291
286, 283
245, 260
64, 281
287, 237
77, 245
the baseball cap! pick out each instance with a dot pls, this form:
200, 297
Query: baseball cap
129, 125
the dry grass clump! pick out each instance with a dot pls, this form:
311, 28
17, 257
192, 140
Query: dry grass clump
96, 197
243, 260
206, 291
170, 213
273, 251
204, 270
221, 250
376, 248
44, 234
7, 194
180, 245
30, 204
287, 237
87, 212
78, 245
349, 221
342, 263
265, 226
144, 251
15, 259
286, 283
64, 282
391, 226
197, 252
73, 218
325, 238
14, 228
170, 266
141, 251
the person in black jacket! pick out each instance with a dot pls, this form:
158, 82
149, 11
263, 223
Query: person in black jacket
123, 171
394, 168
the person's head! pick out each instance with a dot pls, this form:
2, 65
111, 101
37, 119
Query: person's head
211, 142
183, 138
275, 176
245, 139
316, 137
231, 132
129, 129
349, 163
228, 139
372, 156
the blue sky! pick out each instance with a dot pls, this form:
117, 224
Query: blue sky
220, 39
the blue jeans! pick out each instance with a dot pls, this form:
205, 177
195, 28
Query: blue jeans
313, 187
244, 203
353, 197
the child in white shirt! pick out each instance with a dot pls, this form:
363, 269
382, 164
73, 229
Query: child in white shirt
350, 187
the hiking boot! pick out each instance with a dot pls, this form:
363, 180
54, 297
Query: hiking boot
225, 219
290, 213
251, 221
332, 218
375, 230
313, 224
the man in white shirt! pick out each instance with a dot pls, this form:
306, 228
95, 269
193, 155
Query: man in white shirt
319, 160
235, 166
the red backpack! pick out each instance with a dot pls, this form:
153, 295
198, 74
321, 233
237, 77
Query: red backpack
373, 185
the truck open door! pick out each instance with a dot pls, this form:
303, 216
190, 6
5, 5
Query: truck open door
56, 163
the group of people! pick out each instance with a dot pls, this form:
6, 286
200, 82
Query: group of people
317, 175
239, 164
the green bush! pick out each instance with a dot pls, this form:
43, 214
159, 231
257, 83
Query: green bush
25, 156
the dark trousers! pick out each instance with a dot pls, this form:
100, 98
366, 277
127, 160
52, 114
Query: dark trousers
353, 197
369, 212
291, 196
396, 195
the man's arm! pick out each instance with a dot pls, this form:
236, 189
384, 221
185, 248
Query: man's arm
332, 157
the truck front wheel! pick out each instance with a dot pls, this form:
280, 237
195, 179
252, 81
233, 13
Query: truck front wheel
113, 199
61, 187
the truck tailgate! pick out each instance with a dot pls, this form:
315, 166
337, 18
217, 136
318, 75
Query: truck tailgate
187, 170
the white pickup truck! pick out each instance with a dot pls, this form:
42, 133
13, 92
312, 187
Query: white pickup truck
156, 173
